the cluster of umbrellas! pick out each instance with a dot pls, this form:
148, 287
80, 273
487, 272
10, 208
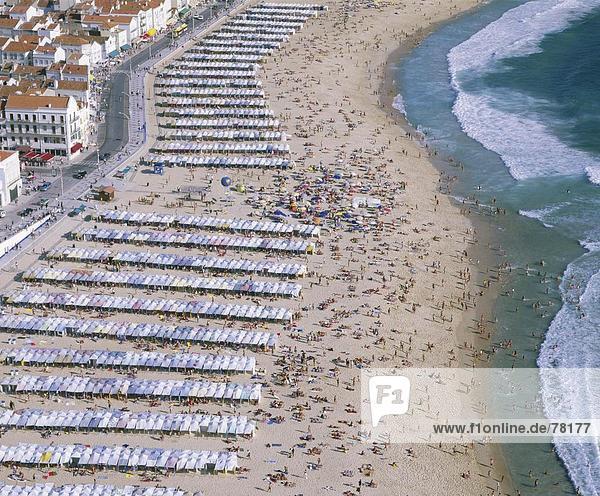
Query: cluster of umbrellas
214, 102
241, 113
209, 223
174, 261
225, 135
118, 457
160, 306
50, 489
226, 148
100, 328
171, 390
146, 360
224, 123
195, 240
163, 282
125, 421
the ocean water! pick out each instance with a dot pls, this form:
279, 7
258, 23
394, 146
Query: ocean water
512, 92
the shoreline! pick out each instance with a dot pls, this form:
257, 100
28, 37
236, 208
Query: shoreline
483, 229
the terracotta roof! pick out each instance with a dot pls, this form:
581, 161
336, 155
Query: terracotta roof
19, 47
8, 23
19, 9
67, 39
76, 69
45, 49
29, 70
4, 154
72, 85
36, 102
32, 39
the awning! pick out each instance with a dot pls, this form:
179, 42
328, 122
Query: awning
113, 54
76, 147
184, 12
125, 47
151, 32
48, 156
29, 155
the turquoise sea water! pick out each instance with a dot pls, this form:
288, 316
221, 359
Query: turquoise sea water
512, 91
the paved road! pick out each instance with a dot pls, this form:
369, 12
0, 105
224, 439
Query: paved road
123, 131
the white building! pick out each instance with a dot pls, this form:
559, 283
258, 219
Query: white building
78, 45
46, 55
46, 124
10, 177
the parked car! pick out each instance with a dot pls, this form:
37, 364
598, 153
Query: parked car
45, 186
80, 174
2, 214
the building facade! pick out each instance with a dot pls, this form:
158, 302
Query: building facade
45, 124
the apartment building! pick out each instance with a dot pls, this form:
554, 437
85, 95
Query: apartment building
45, 124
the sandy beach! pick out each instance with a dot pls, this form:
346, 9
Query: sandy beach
408, 285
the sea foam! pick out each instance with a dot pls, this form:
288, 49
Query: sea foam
505, 123
572, 341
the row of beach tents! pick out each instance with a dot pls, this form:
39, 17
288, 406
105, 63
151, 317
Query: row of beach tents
208, 223
150, 306
187, 147
218, 161
180, 262
193, 240
94, 489
145, 360
213, 102
137, 331
118, 458
104, 387
237, 113
125, 421
224, 135
163, 282
194, 123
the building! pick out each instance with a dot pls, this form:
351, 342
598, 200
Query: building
10, 177
46, 55
44, 124
80, 45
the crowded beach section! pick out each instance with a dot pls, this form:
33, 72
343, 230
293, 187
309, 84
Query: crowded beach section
204, 331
